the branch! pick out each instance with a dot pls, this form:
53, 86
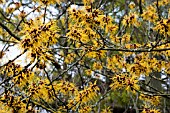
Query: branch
118, 49
68, 48
157, 6
81, 78
152, 94
9, 31
156, 93
140, 6
134, 50
6, 18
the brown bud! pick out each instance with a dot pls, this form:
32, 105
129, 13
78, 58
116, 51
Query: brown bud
1, 54
57, 66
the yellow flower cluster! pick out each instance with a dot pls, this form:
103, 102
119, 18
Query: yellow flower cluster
125, 38
115, 63
2, 1
132, 5
88, 2
39, 89
163, 27
148, 110
106, 110
130, 83
96, 54
38, 37
83, 21
14, 104
89, 93
97, 66
84, 96
66, 88
88, 72
86, 109
131, 19
48, 2
137, 69
8, 70
24, 78
70, 58
154, 100
150, 14
162, 2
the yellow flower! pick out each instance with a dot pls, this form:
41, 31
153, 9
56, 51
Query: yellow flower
84, 39
111, 28
97, 66
10, 10
125, 81
132, 84
149, 110
89, 93
2, 1
37, 38
163, 27
162, 2
88, 72
66, 88
150, 14
141, 1
125, 38
154, 100
106, 110
132, 5
70, 58
131, 19
87, 2
48, 2
86, 109
119, 81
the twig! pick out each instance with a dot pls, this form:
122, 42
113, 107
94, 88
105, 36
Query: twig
68, 69
8, 41
58, 17
43, 106
45, 10
14, 58
54, 89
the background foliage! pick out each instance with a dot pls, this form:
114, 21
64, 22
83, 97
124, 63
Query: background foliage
85, 56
